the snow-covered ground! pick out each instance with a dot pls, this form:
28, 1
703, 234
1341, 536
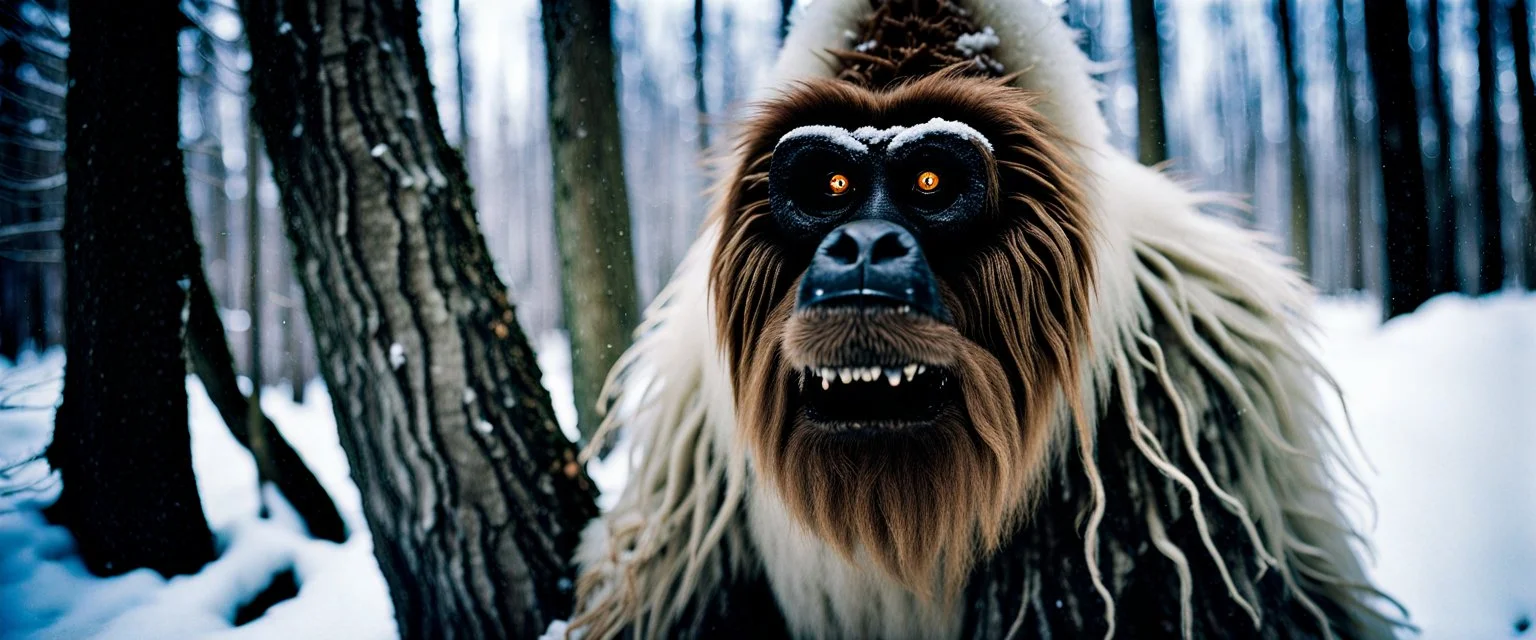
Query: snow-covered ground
1442, 401
1444, 404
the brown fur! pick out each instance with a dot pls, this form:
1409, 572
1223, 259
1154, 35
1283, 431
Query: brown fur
924, 503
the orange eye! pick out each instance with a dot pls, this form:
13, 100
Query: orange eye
927, 181
837, 184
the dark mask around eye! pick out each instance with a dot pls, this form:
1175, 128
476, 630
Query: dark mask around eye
934, 185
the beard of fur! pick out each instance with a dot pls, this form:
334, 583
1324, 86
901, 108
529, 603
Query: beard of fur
924, 504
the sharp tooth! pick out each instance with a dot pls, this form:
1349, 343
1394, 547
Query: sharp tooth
845, 375
922, 368
910, 370
826, 383
873, 374
828, 373
893, 376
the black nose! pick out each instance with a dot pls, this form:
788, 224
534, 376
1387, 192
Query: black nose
869, 263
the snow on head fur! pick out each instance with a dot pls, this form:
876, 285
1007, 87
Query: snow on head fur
1191, 460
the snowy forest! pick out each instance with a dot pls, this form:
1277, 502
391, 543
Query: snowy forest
375, 427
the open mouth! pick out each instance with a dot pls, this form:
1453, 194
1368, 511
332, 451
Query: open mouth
875, 396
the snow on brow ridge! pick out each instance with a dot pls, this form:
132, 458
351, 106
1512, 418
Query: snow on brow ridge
939, 125
872, 135
836, 135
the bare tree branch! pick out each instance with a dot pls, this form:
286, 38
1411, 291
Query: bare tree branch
30, 255
34, 143
48, 183
13, 231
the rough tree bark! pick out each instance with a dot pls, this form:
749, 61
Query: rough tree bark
1300, 239
1406, 224
474, 498
1443, 208
1490, 236
120, 441
591, 208
1525, 89
1152, 135
1354, 276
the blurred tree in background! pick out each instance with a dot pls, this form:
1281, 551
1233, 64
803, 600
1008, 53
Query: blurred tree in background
591, 207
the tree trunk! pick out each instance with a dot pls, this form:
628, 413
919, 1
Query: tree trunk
120, 441
298, 375
1490, 236
206, 163
256, 439
591, 208
1296, 124
474, 498
1406, 224
461, 82
701, 103
1152, 137
31, 184
1443, 208
1354, 277
276, 462
785, 6
1525, 89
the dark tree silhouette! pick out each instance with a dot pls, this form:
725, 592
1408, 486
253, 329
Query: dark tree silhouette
1406, 223
1443, 208
1354, 251
1152, 134
1490, 237
591, 207
31, 182
784, 12
1525, 90
120, 438
1300, 237
701, 103
474, 498
256, 439
460, 77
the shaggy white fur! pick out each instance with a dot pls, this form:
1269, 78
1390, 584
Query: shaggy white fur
691, 510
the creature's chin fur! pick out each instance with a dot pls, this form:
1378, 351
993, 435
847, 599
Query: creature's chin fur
921, 502
1185, 443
